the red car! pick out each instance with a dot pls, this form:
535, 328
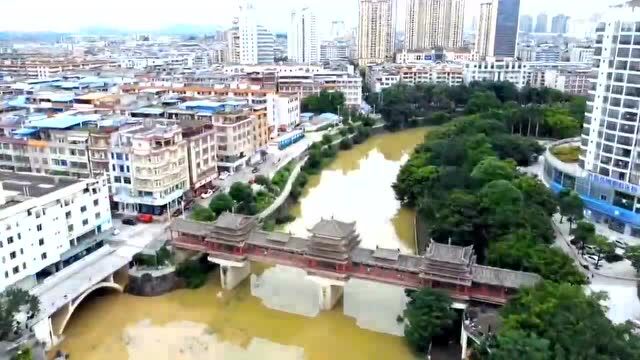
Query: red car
145, 218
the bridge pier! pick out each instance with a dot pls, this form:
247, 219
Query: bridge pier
329, 292
231, 272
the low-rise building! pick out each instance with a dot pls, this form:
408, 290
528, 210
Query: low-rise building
570, 81
47, 223
381, 77
201, 147
516, 72
235, 139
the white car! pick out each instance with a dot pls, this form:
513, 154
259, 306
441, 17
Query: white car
115, 231
591, 258
223, 175
207, 194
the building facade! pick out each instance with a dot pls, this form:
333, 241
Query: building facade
434, 23
376, 31
560, 24
303, 43
256, 42
581, 54
526, 24
497, 34
607, 175
48, 223
541, 23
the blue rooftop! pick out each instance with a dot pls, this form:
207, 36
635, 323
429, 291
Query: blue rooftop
65, 121
25, 131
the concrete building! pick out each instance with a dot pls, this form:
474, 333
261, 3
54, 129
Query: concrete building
608, 173
560, 24
303, 42
516, 72
581, 54
541, 23
149, 170
334, 50
381, 77
376, 31
256, 42
497, 33
233, 43
526, 24
235, 139
201, 147
48, 223
434, 23
541, 53
570, 81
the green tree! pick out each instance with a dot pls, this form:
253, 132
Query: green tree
345, 144
241, 192
12, 302
632, 253
514, 344
327, 139
201, 213
574, 323
491, 169
482, 101
220, 203
603, 247
23, 354
535, 192
428, 314
571, 206
324, 102
584, 233
263, 181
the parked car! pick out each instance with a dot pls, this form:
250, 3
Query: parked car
115, 231
207, 194
621, 244
591, 258
223, 175
255, 170
144, 218
129, 221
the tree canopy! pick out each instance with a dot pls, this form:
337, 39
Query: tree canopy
428, 314
12, 302
220, 203
324, 102
561, 320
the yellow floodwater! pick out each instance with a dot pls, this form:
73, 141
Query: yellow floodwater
209, 323
356, 186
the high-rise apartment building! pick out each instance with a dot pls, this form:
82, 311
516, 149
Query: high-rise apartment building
559, 24
541, 23
256, 42
303, 43
376, 31
434, 23
233, 43
497, 33
526, 24
608, 173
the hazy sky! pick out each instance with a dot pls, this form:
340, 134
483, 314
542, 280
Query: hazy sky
70, 15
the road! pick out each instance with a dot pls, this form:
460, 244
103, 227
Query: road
274, 161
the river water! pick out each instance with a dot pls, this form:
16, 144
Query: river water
209, 323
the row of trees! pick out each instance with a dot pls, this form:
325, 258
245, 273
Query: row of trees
530, 111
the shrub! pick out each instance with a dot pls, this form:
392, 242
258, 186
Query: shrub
145, 260
269, 225
285, 218
263, 180
343, 131
346, 144
613, 257
194, 272
327, 139
201, 213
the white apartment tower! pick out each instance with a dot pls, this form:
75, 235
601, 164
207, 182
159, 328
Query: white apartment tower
376, 31
233, 43
486, 34
610, 141
303, 43
434, 23
256, 42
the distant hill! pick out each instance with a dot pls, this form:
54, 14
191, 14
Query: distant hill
44, 36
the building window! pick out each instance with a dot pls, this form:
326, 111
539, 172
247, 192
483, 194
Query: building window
97, 215
39, 227
68, 214
43, 256
121, 168
603, 197
83, 208
21, 251
24, 266
118, 156
6, 274
85, 222
95, 202
41, 242
127, 180
16, 269
10, 240
117, 179
70, 228
12, 255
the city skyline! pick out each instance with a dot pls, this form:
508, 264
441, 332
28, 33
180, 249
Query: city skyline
45, 16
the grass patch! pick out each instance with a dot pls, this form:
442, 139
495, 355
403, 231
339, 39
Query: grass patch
567, 154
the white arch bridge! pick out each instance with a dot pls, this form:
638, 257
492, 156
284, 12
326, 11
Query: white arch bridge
62, 293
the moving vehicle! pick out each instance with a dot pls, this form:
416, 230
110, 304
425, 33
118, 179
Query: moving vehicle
621, 244
207, 194
145, 218
129, 221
